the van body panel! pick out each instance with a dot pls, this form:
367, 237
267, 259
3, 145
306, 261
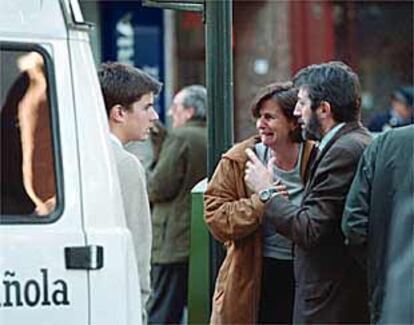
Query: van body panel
32, 256
37, 287
115, 291
102, 203
32, 19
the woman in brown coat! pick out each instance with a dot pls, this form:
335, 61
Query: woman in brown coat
255, 282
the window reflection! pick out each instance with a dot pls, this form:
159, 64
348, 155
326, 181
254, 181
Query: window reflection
27, 172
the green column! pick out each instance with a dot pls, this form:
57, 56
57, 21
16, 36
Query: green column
219, 68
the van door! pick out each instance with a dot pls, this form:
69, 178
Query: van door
114, 289
43, 257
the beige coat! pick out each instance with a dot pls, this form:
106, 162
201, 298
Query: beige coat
234, 216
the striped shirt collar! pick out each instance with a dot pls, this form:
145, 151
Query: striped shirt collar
329, 136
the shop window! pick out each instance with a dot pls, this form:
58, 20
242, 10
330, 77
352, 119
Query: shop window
28, 174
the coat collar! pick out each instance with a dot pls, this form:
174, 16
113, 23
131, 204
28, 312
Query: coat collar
348, 127
193, 123
237, 151
115, 140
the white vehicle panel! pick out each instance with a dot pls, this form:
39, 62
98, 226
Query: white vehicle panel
103, 210
116, 286
101, 192
32, 18
37, 286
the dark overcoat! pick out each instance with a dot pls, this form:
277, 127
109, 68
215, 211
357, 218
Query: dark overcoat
181, 165
379, 215
330, 285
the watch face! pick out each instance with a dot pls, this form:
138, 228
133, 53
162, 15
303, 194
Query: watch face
264, 195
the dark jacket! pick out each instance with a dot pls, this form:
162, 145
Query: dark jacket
379, 212
330, 286
233, 215
182, 164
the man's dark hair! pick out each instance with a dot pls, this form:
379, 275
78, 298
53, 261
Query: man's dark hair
123, 84
333, 82
285, 95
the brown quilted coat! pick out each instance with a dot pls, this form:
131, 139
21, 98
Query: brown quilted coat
233, 216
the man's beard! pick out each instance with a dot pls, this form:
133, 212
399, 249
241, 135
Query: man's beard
312, 130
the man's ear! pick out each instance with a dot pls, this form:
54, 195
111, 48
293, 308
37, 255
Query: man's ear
325, 109
190, 112
117, 113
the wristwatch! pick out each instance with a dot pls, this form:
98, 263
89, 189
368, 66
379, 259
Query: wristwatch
266, 194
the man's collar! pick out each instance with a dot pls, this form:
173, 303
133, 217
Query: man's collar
328, 136
195, 123
115, 139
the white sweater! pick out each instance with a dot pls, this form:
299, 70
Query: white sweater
137, 212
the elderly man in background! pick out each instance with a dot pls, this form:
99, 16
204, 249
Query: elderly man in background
182, 164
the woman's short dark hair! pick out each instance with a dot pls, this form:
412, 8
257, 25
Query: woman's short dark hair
123, 84
286, 96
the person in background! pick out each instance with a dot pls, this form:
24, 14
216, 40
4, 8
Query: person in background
157, 137
379, 222
330, 286
182, 163
401, 112
256, 282
129, 101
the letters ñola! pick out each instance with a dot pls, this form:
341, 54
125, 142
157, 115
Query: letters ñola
42, 291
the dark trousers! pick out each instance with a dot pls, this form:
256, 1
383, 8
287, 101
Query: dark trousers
277, 292
169, 293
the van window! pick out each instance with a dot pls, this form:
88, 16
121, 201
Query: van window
28, 174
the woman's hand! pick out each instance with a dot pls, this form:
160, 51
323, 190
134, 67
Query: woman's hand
259, 177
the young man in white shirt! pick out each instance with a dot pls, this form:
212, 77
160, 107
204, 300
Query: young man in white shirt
129, 101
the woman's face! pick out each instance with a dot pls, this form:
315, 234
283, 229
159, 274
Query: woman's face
273, 126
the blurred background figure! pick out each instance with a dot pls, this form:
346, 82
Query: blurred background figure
401, 112
182, 163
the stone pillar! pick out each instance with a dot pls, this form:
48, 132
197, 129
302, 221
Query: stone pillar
261, 54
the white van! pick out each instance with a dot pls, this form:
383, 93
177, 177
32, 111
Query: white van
66, 255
